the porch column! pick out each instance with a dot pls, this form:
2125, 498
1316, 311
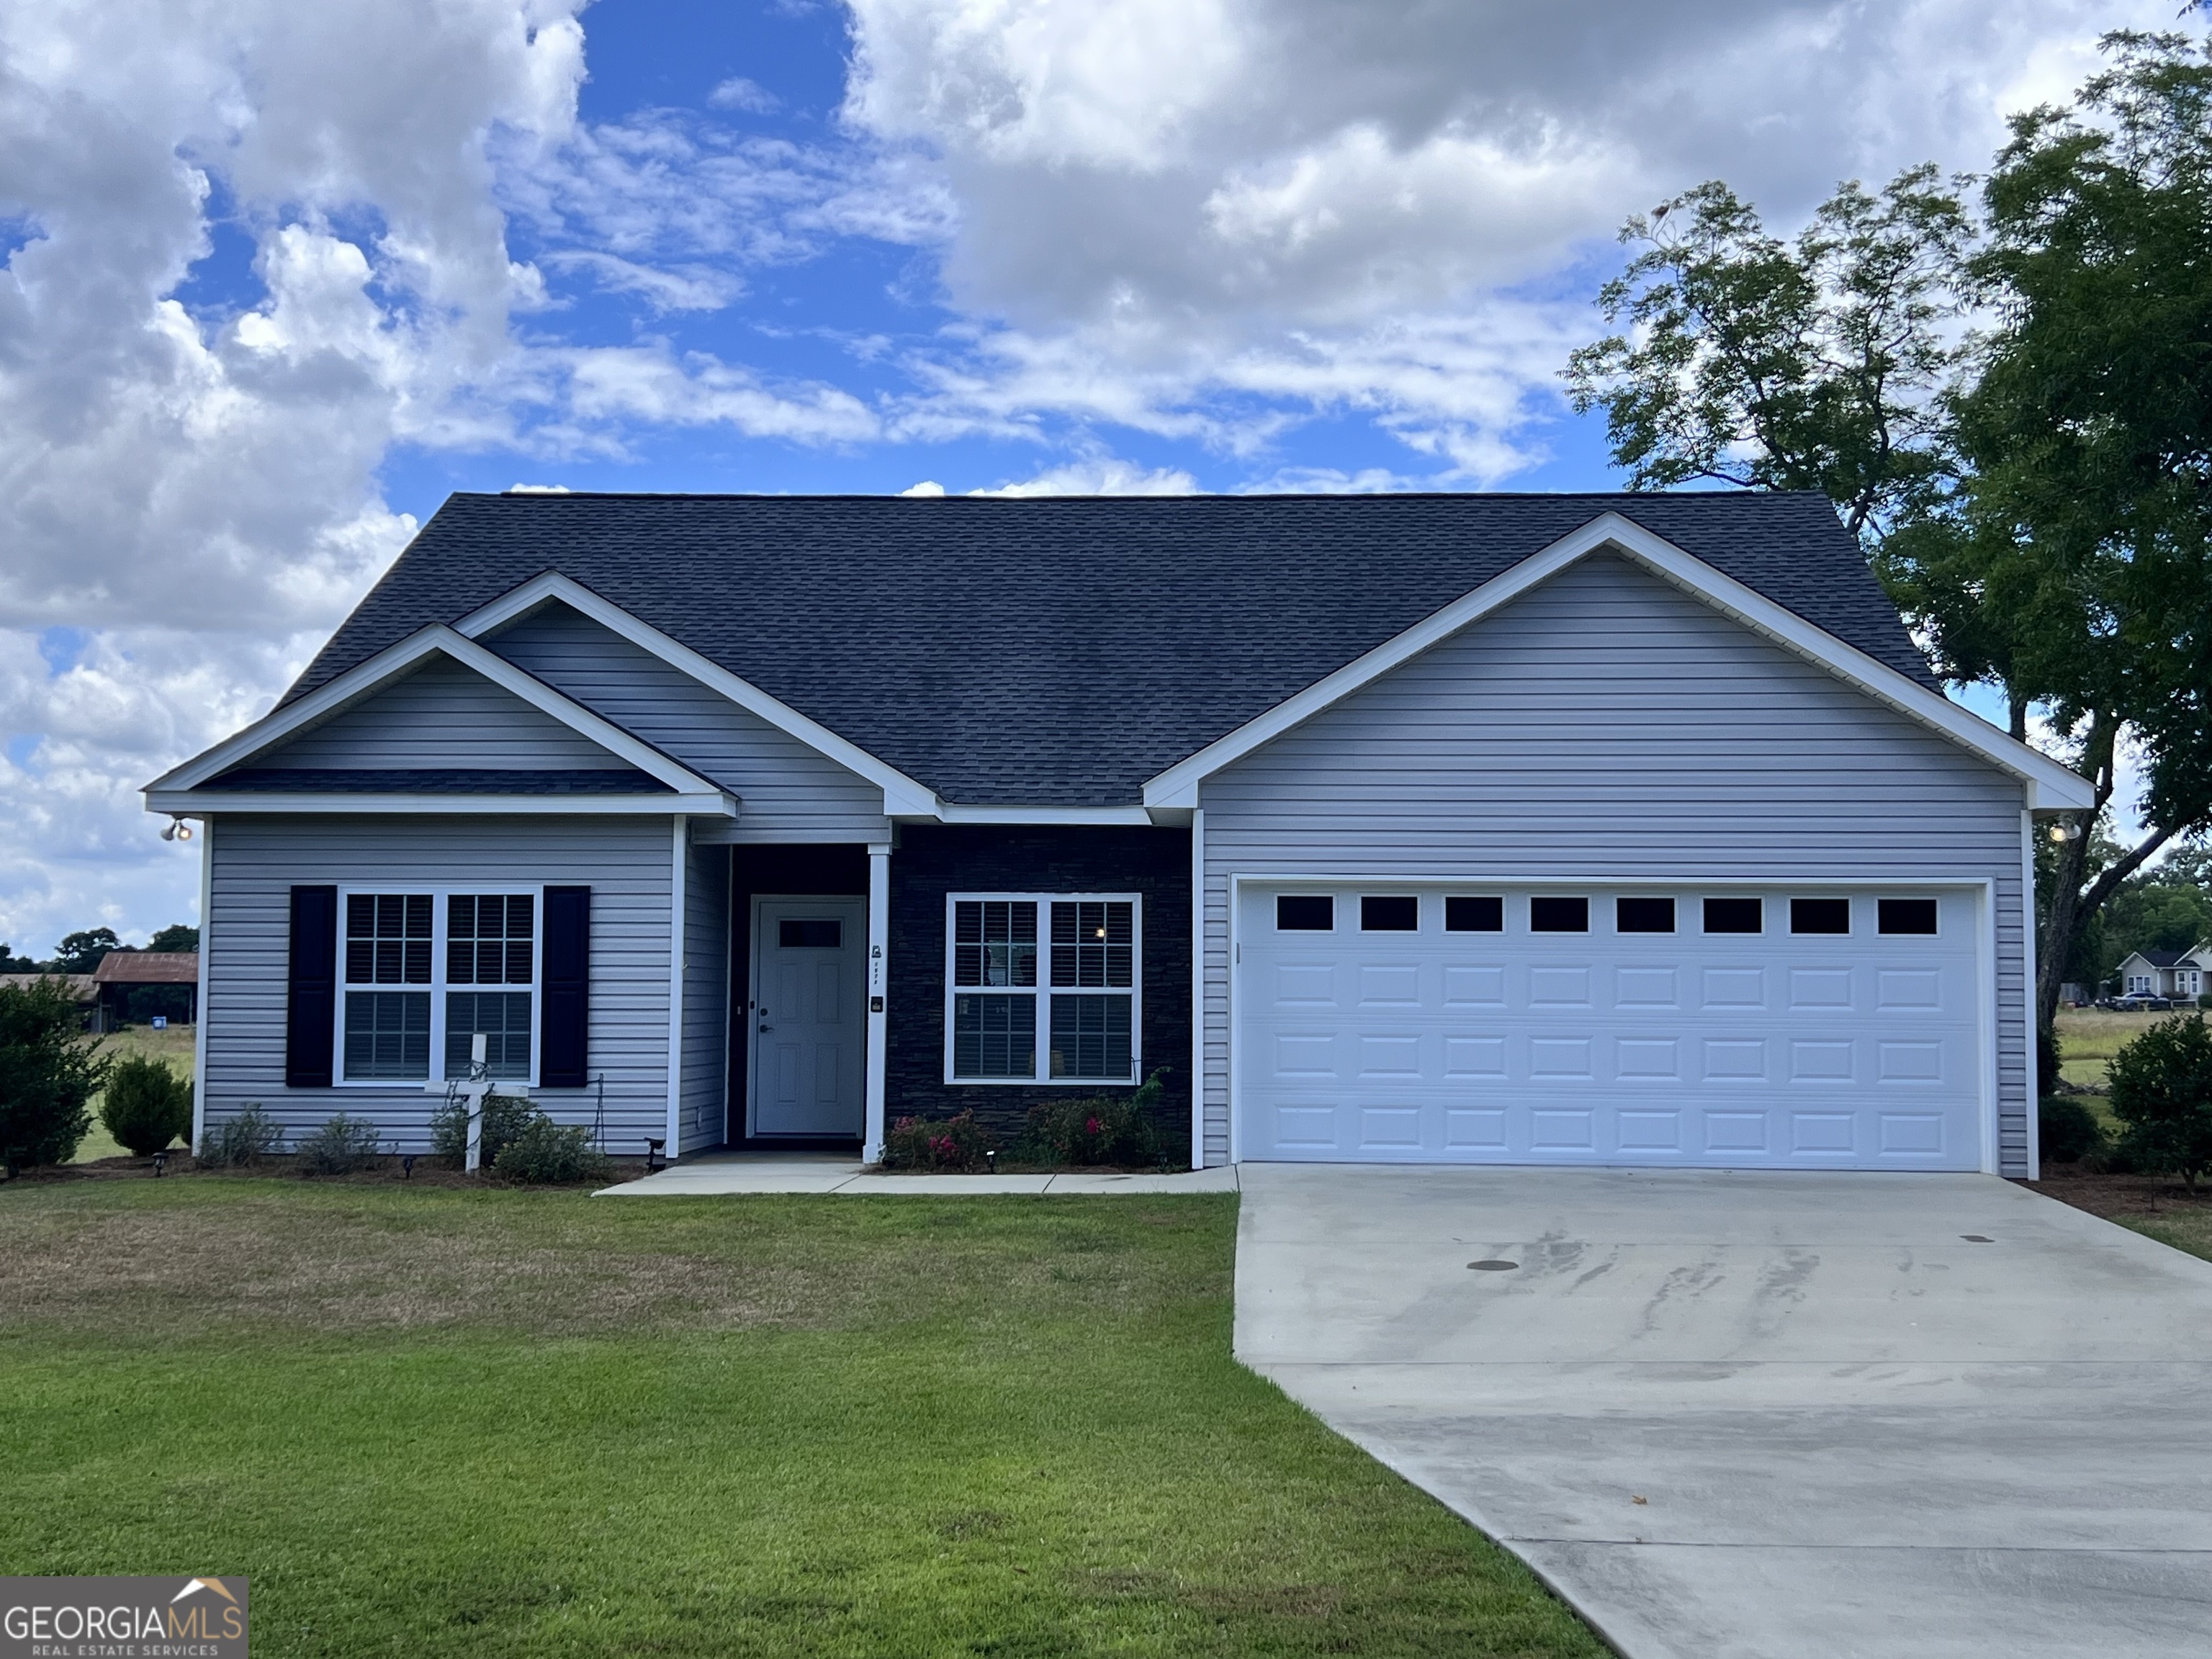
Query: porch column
879, 934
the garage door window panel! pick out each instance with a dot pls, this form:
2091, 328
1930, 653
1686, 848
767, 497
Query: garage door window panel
1044, 988
1475, 913
1734, 916
1910, 916
1391, 913
1644, 916
1551, 913
1820, 916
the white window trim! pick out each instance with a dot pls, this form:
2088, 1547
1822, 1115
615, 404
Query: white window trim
1043, 991
438, 986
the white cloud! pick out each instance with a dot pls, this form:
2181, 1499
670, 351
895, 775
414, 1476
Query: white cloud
196, 496
1102, 476
739, 93
1204, 219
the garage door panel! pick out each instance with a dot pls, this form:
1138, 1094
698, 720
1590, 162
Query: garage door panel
1828, 1051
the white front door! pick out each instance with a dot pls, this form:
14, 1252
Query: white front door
1792, 1028
809, 1025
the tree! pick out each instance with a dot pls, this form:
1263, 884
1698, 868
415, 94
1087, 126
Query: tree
12, 963
2036, 496
2084, 528
82, 952
47, 1074
2161, 1092
177, 937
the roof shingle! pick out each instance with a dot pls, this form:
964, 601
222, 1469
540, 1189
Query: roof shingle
1061, 651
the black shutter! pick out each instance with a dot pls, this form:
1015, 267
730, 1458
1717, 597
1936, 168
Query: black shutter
566, 1014
311, 1009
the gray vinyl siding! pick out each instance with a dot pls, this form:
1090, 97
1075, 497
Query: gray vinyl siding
257, 861
1609, 725
706, 996
445, 714
787, 791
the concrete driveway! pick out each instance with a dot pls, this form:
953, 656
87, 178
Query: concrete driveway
1728, 1415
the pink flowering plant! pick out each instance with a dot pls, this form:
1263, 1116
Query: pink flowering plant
1112, 1130
918, 1143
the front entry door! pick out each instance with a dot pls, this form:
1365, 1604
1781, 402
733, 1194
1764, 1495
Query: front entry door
809, 1030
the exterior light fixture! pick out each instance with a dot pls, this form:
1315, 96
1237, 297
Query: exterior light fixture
160, 1163
407, 1166
653, 1149
991, 1158
178, 830
2065, 830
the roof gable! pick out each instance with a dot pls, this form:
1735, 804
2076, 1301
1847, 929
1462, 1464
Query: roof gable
1061, 653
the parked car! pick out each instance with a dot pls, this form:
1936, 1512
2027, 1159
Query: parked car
2137, 1002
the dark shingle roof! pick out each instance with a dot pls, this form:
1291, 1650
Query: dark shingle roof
1062, 651
439, 781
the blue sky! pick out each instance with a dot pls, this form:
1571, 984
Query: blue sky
279, 278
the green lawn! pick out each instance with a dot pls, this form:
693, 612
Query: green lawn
511, 1422
173, 1045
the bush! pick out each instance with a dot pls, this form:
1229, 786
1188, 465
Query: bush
2161, 1092
339, 1147
547, 1152
1116, 1130
146, 1106
47, 1075
246, 1138
505, 1116
2068, 1130
915, 1143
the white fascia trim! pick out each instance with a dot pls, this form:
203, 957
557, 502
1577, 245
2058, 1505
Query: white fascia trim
365, 678
687, 804
903, 796
1098, 815
2051, 787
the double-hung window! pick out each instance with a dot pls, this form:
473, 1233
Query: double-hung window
426, 973
1042, 987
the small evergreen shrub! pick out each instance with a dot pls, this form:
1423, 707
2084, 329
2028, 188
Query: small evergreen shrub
504, 1118
48, 1074
915, 1143
1115, 1130
2068, 1130
2161, 1092
146, 1106
339, 1147
245, 1137
551, 1154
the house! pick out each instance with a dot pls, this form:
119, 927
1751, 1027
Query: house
2179, 974
1597, 830
167, 981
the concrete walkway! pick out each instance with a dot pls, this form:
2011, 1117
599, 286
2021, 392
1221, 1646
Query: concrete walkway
1734, 1416
827, 1172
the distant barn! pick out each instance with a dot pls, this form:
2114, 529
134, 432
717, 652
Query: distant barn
140, 984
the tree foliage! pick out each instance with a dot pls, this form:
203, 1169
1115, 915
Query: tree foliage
47, 1075
2036, 493
146, 1105
2161, 1092
82, 952
1816, 363
180, 936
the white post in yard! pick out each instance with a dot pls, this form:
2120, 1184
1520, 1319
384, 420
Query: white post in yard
879, 935
470, 1092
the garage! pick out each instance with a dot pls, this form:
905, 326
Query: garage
1768, 1027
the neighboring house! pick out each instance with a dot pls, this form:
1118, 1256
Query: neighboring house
122, 972
1599, 830
2164, 973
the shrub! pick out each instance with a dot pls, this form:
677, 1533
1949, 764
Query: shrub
2161, 1092
504, 1118
146, 1106
1111, 1129
246, 1138
548, 1153
2068, 1130
339, 1147
47, 1075
915, 1143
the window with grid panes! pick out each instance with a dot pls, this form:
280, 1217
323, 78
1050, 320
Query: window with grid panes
1083, 1004
412, 986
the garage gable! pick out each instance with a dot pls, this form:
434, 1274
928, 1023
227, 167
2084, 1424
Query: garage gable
1610, 537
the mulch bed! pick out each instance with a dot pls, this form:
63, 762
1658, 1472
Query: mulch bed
2115, 1196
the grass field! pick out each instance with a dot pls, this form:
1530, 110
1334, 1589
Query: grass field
523, 1423
2089, 1037
173, 1045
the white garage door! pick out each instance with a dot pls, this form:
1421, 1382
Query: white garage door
1791, 1027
